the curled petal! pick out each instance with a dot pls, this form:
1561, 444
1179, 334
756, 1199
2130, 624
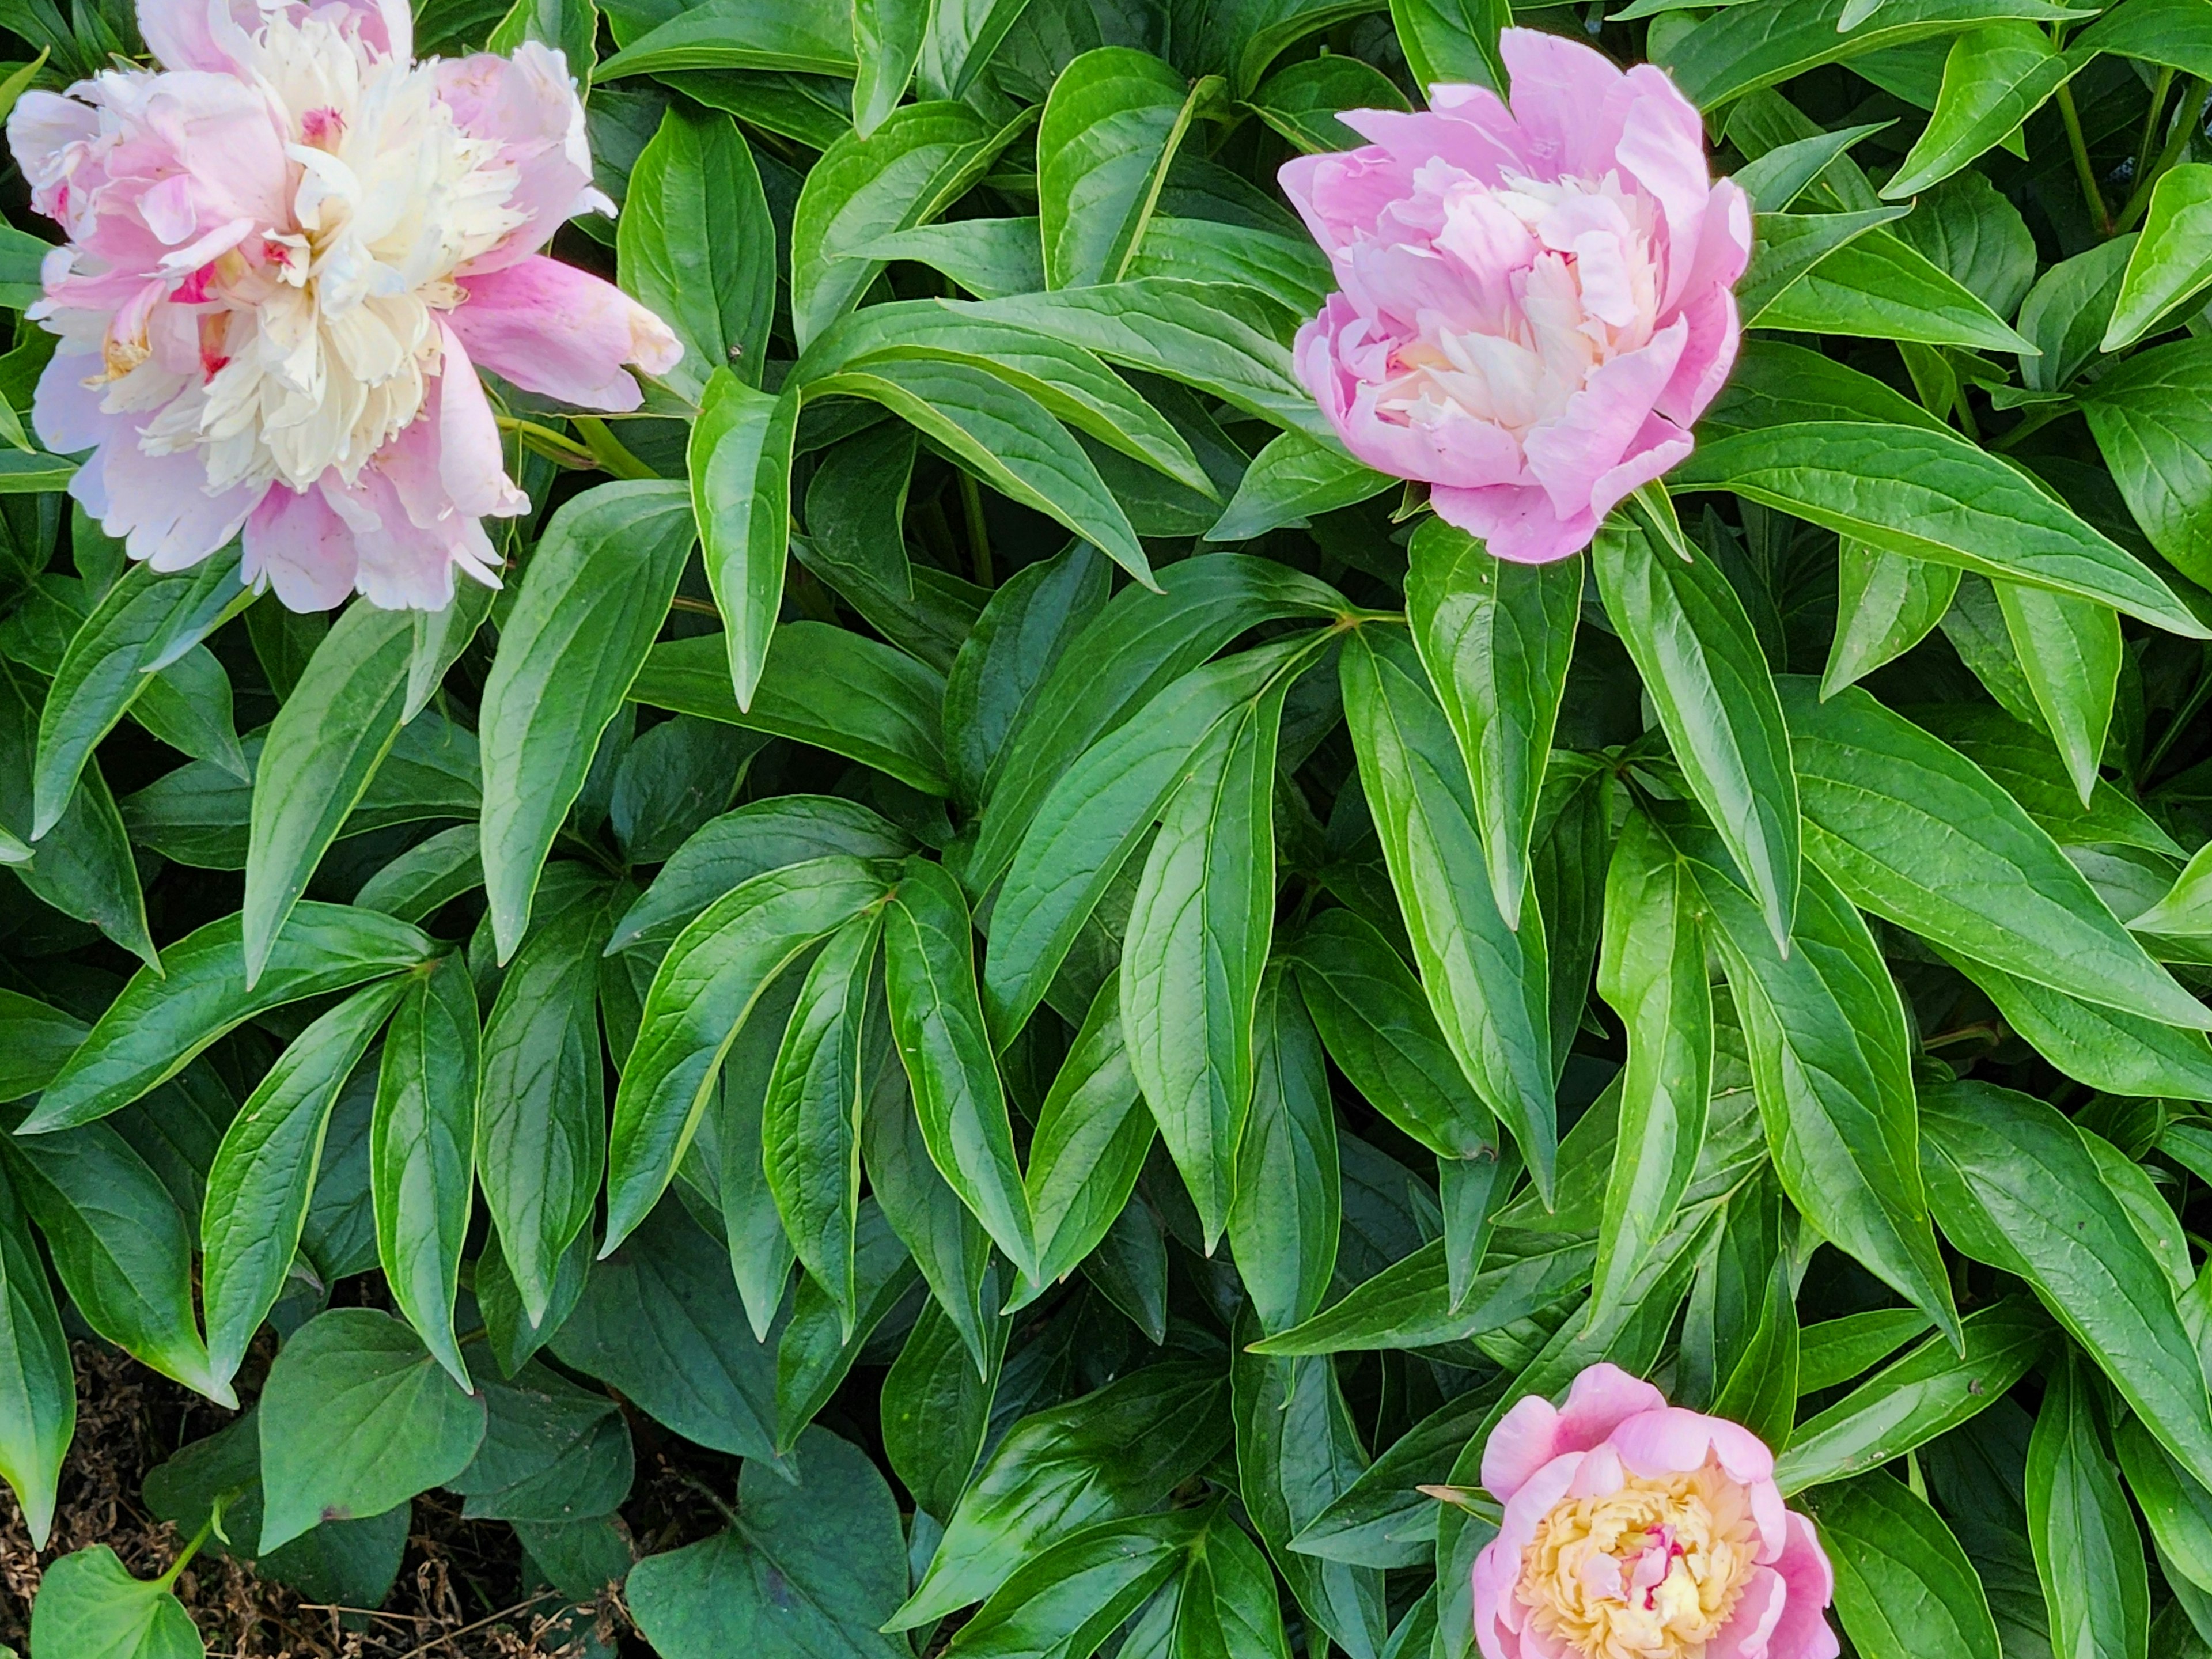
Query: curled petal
562, 333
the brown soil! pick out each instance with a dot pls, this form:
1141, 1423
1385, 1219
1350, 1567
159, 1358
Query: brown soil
459, 1594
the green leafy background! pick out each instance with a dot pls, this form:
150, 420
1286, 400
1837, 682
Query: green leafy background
1052, 995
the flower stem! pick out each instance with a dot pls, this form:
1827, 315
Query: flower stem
2186, 115
979, 533
608, 450
2159, 89
2083, 167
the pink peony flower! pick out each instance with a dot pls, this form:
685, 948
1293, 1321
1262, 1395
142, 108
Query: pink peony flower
1635, 1530
1535, 301
289, 249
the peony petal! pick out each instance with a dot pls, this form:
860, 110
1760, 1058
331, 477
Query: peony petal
197, 34
1534, 1433
1674, 1440
159, 507
299, 547
562, 332
470, 465
1496, 1573
65, 412
1749, 1632
1564, 98
1802, 1630
1662, 148
1524, 1441
1517, 521
1600, 426
1659, 446
528, 104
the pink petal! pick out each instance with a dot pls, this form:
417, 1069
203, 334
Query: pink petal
301, 548
1534, 1433
1497, 1571
158, 506
1516, 521
65, 412
528, 103
470, 465
1564, 97
197, 34
1568, 455
1659, 448
1749, 1631
562, 332
1803, 1631
1662, 148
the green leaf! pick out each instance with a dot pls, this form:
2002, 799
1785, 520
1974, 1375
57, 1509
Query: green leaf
2174, 33
1380, 1031
1785, 247
1285, 1214
357, 1417
1903, 1587
1297, 475
1913, 831
2087, 1551
1496, 639
2147, 412
1297, 1452
1116, 1452
909, 170
1382, 1519
937, 1020
1140, 643
325, 746
427, 877
571, 26
696, 248
740, 466
1196, 944
552, 1452
1225, 1604
1932, 495
1993, 80
143, 623
812, 36
823, 1342
1099, 808
2121, 1054
823, 685
1831, 1066
660, 1321
947, 1242
1744, 47
1778, 383
1301, 100
1835, 1350
811, 1567
706, 986
1067, 1599
2168, 264
1775, 179
1877, 287
989, 257
1093, 1132
1999, 1159
1108, 135
1214, 338
1886, 604
1452, 40
598, 586
937, 1409
83, 866
1928, 1392
89, 1606
1409, 1305
811, 1126
35, 1042
1653, 972
1486, 983
262, 1177
38, 1388
759, 836
887, 38
422, 1145
152, 1031
540, 1145
1704, 673
2069, 651
1006, 436
1017, 640
2180, 1510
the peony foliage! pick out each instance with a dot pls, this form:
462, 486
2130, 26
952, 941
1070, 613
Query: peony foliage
1033, 829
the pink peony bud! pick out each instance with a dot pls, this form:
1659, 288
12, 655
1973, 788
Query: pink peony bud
289, 248
1534, 301
1635, 1530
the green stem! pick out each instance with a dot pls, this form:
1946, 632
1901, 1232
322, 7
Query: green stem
2198, 695
2159, 89
609, 450
2187, 114
190, 1550
979, 533
2083, 167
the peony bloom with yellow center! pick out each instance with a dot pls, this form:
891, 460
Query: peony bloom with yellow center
290, 249
1634, 1530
